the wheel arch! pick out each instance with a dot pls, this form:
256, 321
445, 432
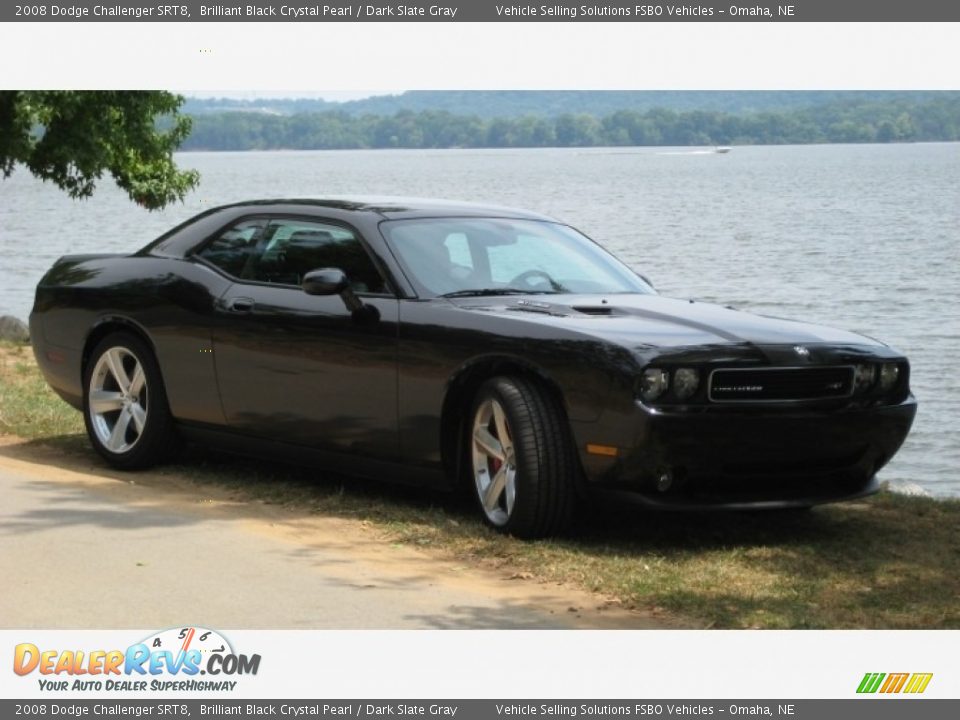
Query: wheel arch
157, 438
111, 324
461, 389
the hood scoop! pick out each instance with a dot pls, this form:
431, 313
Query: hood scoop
558, 310
594, 309
539, 307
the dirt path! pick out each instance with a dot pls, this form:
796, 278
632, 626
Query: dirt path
82, 547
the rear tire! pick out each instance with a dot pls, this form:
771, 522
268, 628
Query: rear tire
522, 462
125, 406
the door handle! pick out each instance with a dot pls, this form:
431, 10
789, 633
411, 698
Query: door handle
240, 305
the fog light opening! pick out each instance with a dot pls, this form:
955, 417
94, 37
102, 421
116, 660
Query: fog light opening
664, 480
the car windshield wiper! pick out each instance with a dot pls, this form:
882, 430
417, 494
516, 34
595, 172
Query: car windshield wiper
481, 292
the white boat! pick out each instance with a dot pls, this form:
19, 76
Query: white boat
722, 149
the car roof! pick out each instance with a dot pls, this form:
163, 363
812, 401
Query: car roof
178, 241
394, 207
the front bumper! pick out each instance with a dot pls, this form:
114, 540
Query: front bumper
739, 458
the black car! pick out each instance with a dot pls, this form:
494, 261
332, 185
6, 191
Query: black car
435, 342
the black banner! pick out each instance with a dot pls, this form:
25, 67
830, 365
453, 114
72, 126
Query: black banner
873, 708
481, 11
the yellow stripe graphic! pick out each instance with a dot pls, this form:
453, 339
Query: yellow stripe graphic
918, 682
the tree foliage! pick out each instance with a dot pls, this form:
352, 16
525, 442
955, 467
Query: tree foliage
856, 120
73, 138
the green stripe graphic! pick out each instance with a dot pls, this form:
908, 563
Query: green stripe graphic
871, 682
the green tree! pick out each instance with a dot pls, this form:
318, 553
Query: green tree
72, 138
579, 130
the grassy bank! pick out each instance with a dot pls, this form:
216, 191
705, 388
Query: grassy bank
886, 562
28, 407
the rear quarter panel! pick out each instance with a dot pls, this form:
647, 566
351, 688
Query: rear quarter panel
168, 301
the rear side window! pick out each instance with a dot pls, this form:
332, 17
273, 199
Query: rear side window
231, 251
283, 251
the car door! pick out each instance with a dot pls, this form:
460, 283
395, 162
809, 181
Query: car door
302, 368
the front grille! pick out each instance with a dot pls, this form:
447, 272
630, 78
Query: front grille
780, 384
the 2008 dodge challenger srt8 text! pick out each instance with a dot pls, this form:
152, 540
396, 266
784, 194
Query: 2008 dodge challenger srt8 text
436, 342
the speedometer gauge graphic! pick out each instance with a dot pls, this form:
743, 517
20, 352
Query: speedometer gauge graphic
182, 640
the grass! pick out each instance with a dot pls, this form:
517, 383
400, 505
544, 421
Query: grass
28, 407
886, 562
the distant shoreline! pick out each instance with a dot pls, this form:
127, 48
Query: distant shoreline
614, 149
855, 119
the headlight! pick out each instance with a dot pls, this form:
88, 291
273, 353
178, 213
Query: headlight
685, 383
889, 372
863, 377
653, 383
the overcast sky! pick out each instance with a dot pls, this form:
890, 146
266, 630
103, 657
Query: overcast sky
334, 95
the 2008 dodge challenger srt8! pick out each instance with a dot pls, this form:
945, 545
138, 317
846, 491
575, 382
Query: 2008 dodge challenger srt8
437, 342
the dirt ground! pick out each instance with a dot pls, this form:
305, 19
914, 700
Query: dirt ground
83, 546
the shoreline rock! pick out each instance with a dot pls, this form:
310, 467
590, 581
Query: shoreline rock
14, 330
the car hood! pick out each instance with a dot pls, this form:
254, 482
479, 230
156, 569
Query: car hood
643, 321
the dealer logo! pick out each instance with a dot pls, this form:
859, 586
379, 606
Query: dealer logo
167, 660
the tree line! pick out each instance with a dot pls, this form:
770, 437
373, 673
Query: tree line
551, 103
843, 121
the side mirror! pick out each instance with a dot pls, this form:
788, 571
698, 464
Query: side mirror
334, 281
325, 281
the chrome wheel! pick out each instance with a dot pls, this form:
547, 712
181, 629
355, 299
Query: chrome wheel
494, 462
117, 400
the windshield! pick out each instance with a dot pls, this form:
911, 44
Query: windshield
492, 256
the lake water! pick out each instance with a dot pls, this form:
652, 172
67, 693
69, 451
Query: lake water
864, 237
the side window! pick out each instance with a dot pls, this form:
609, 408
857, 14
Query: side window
289, 249
233, 249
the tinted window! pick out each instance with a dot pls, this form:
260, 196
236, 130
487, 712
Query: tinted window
231, 251
286, 250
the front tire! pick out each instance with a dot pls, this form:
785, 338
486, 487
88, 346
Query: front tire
522, 462
125, 405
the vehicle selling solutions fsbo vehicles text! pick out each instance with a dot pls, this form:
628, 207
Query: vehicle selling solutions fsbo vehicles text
574, 11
